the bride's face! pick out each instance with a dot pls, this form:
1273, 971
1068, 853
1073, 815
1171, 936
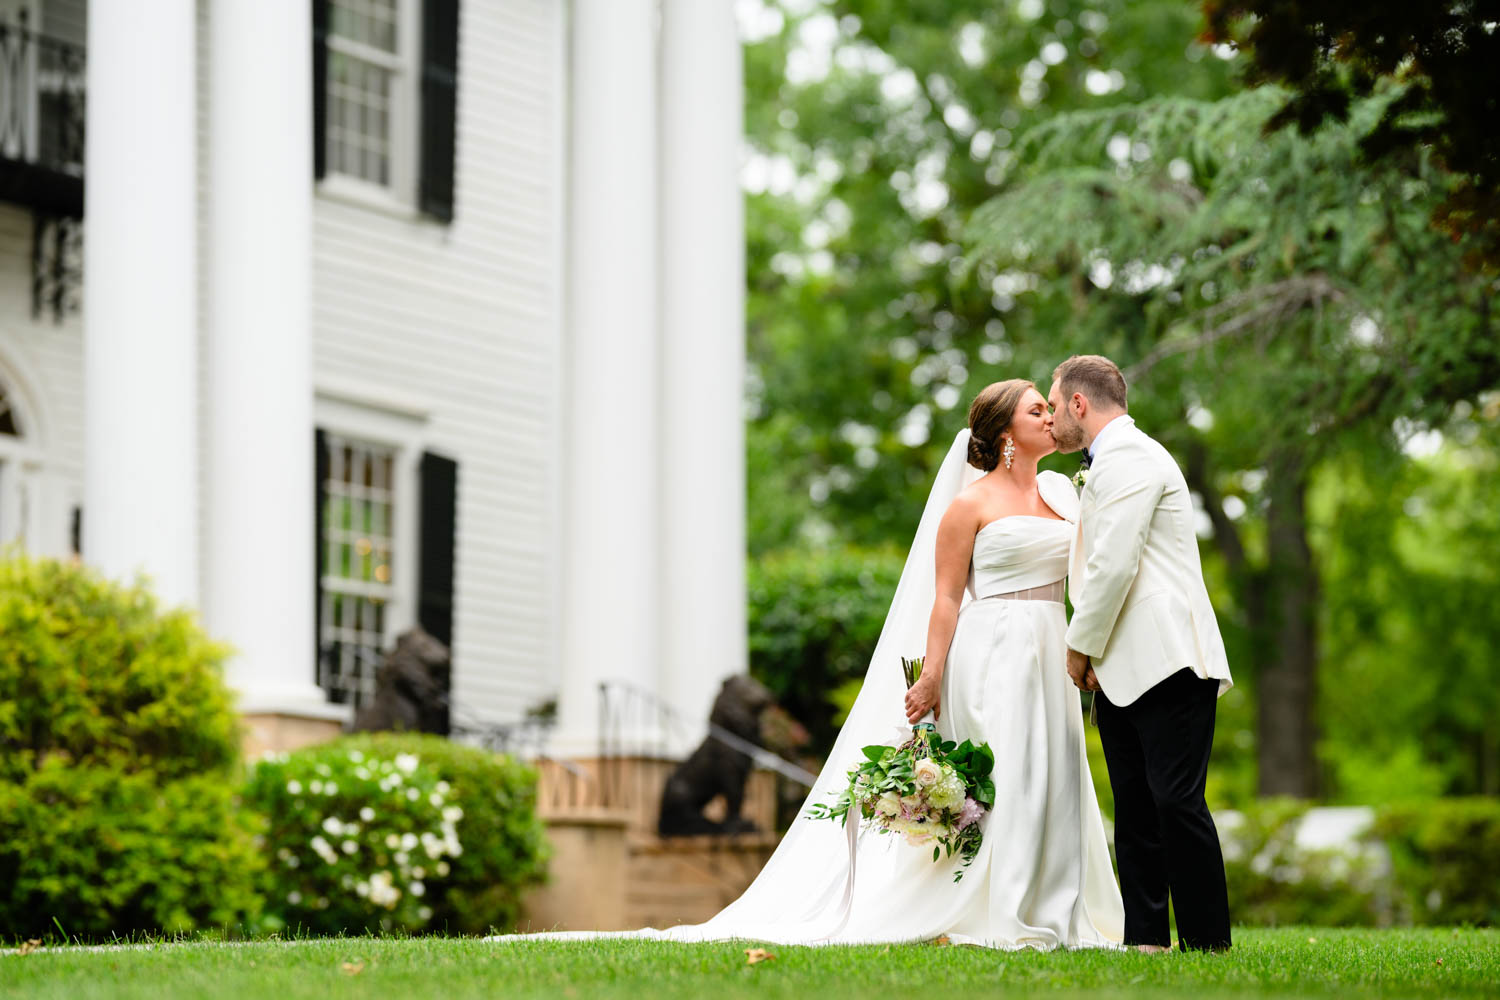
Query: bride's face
1031, 425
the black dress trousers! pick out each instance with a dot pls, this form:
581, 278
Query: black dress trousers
1157, 750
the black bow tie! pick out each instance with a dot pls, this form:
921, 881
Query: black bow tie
1088, 459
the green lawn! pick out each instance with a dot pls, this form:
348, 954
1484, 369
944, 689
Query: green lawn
1287, 962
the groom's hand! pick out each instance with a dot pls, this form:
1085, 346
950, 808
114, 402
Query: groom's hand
1078, 669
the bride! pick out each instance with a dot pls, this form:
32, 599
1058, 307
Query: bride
981, 593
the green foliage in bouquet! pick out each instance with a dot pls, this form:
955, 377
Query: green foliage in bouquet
927, 790
400, 832
118, 751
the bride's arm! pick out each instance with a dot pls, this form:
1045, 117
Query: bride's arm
955, 547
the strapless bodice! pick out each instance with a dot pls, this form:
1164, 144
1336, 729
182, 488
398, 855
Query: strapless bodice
1025, 550
1017, 552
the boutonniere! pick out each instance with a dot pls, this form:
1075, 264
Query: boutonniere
1081, 478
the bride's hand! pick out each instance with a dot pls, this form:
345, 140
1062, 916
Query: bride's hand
921, 697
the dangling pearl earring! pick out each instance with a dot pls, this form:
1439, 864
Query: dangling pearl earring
1009, 452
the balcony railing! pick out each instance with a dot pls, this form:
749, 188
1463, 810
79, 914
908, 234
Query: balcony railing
42, 100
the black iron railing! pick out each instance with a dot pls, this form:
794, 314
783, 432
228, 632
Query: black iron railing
42, 95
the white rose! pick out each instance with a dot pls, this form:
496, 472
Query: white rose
888, 804
928, 772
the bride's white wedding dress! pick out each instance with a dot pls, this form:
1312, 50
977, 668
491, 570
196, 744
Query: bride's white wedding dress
1042, 878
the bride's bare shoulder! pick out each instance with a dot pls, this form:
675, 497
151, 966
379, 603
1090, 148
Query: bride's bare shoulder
966, 506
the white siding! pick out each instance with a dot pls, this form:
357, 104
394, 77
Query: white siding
463, 321
48, 358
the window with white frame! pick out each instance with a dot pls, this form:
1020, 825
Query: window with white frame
371, 92
357, 583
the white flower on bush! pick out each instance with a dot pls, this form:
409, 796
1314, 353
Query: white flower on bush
294, 897
356, 756
331, 788
294, 787
350, 847
315, 786
452, 814
332, 826
424, 912
417, 888
442, 868
392, 841
406, 763
324, 849
383, 891
409, 841
928, 772
367, 814
413, 795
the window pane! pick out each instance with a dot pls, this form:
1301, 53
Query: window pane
358, 581
359, 129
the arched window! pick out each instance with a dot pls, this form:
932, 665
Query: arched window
25, 518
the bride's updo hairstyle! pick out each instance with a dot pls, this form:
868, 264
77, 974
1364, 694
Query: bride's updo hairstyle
989, 417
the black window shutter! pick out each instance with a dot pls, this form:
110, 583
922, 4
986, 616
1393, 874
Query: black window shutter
439, 106
320, 538
320, 87
437, 513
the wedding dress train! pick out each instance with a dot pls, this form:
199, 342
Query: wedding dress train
1042, 878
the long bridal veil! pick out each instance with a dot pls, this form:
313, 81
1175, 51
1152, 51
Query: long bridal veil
803, 894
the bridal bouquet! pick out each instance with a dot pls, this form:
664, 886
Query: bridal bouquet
926, 789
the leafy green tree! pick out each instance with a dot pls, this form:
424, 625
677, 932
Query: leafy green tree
877, 127
1273, 297
1405, 546
1332, 53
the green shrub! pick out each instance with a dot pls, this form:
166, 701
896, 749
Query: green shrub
814, 620
1446, 855
1274, 882
397, 832
118, 748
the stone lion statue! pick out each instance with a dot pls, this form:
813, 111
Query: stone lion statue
411, 687
716, 768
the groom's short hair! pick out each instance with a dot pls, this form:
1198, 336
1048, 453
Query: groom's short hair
1097, 377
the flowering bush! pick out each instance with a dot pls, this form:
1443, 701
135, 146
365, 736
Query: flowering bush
926, 790
118, 752
396, 832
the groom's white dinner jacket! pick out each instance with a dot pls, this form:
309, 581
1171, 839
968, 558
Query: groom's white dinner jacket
1140, 608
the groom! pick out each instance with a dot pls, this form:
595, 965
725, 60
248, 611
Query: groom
1144, 638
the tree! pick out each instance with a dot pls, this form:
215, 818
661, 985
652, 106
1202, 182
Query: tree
877, 127
1272, 296
1442, 58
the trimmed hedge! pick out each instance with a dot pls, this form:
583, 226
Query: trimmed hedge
118, 756
397, 832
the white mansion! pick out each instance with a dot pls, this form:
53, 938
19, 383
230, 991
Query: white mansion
338, 316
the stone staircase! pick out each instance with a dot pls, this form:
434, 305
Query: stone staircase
611, 871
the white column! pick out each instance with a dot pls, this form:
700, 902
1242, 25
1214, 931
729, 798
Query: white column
140, 324
259, 559
703, 357
610, 559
